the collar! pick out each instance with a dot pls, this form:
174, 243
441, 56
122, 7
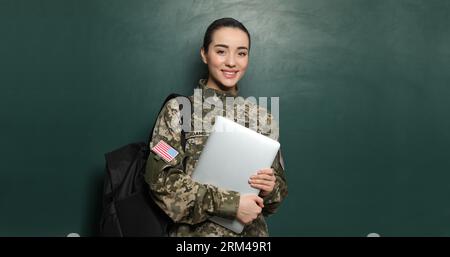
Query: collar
207, 91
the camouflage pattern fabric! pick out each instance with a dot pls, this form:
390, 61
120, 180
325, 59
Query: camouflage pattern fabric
189, 203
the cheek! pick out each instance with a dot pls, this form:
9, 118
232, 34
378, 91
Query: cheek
215, 61
214, 68
243, 64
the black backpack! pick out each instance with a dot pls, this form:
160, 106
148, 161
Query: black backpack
128, 209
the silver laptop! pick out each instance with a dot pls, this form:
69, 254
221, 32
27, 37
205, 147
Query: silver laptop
231, 155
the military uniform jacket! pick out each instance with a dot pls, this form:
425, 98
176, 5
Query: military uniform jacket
187, 202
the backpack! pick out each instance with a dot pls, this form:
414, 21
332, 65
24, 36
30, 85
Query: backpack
128, 208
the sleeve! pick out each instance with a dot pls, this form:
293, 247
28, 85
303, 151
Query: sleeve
183, 199
273, 200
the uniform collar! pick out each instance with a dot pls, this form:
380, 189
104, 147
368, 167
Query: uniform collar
211, 92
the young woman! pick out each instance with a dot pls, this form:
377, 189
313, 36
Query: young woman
225, 51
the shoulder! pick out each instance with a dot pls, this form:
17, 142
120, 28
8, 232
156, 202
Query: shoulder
171, 109
170, 114
269, 125
172, 104
267, 122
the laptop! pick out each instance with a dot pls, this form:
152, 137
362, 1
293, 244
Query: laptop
231, 155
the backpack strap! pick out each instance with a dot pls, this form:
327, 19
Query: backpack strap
183, 136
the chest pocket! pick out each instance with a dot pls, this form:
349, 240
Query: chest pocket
195, 141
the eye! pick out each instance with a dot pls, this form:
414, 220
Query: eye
243, 54
220, 51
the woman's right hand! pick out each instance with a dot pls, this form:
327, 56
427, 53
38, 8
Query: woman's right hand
249, 208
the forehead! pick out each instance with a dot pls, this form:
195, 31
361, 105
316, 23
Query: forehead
232, 37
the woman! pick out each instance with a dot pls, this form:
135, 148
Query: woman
225, 51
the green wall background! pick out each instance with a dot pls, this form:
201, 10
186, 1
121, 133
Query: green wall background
364, 96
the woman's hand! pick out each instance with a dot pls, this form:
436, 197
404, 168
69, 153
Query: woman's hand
263, 180
250, 207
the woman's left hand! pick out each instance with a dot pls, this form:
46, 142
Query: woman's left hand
263, 180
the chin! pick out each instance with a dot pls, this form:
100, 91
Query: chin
229, 83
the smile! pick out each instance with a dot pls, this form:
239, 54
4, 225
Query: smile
229, 74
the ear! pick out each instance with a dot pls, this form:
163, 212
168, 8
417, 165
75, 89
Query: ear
203, 55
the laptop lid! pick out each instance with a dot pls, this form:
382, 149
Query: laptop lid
232, 154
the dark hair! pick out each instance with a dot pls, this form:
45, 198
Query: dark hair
220, 23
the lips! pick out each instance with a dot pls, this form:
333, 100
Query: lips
229, 74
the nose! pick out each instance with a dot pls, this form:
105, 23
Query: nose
230, 62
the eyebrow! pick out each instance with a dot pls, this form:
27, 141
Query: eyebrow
225, 46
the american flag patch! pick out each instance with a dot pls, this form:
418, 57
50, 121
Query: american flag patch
165, 151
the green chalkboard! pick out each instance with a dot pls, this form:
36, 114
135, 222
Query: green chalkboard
364, 97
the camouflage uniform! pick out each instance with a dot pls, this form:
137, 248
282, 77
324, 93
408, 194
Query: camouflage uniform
189, 203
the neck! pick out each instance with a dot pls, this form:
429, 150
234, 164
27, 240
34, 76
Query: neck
211, 83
